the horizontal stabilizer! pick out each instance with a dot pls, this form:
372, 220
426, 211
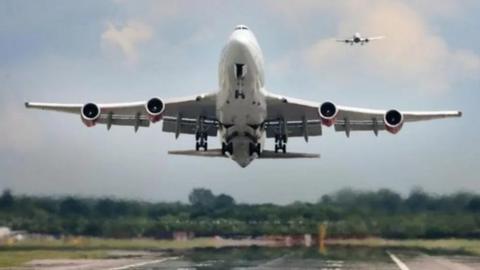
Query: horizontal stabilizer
266, 154
208, 153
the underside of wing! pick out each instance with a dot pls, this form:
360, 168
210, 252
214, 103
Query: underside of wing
292, 117
349, 119
181, 115
375, 38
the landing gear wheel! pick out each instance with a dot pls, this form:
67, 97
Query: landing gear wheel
227, 148
254, 148
201, 138
284, 148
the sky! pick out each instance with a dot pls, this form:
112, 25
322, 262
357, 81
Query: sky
121, 51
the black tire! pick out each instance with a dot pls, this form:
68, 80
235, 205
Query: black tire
205, 146
284, 148
276, 148
224, 149
258, 149
230, 148
197, 146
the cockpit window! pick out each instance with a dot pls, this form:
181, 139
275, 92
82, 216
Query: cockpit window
241, 27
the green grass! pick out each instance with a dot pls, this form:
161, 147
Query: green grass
13, 258
108, 244
454, 245
86, 248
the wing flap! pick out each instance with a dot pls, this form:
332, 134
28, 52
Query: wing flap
295, 129
188, 126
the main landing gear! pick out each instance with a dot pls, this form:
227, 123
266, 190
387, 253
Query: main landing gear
227, 147
280, 143
201, 138
254, 148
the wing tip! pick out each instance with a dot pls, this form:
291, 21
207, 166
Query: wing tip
459, 113
27, 104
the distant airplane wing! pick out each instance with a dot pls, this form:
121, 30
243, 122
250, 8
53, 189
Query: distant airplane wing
344, 40
183, 111
375, 38
302, 118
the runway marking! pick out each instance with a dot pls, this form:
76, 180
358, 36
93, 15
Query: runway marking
143, 263
396, 260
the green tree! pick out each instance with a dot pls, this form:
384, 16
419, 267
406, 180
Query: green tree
202, 197
6, 200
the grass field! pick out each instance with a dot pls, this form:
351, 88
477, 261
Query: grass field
16, 254
10, 258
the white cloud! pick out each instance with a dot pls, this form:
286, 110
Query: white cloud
412, 53
127, 38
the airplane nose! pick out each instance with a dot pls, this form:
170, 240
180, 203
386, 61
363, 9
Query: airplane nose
239, 42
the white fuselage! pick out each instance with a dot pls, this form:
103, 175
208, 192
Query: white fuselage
241, 107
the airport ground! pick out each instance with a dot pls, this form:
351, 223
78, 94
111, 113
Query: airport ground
211, 253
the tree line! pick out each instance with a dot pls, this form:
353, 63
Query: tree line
347, 213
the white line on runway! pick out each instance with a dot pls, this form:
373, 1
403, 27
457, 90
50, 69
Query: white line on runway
143, 263
396, 260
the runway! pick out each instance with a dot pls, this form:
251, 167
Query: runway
259, 258
337, 259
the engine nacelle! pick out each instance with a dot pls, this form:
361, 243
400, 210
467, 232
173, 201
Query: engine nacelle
90, 113
155, 108
328, 113
393, 120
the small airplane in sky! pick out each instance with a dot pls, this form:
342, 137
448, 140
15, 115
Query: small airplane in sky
358, 39
241, 112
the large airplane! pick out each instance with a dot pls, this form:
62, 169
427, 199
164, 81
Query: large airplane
242, 112
358, 39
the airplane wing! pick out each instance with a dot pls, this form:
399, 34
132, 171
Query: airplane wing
183, 112
301, 118
375, 38
344, 40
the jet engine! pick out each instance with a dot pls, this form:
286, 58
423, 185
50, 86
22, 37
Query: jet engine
328, 112
393, 120
90, 113
155, 108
